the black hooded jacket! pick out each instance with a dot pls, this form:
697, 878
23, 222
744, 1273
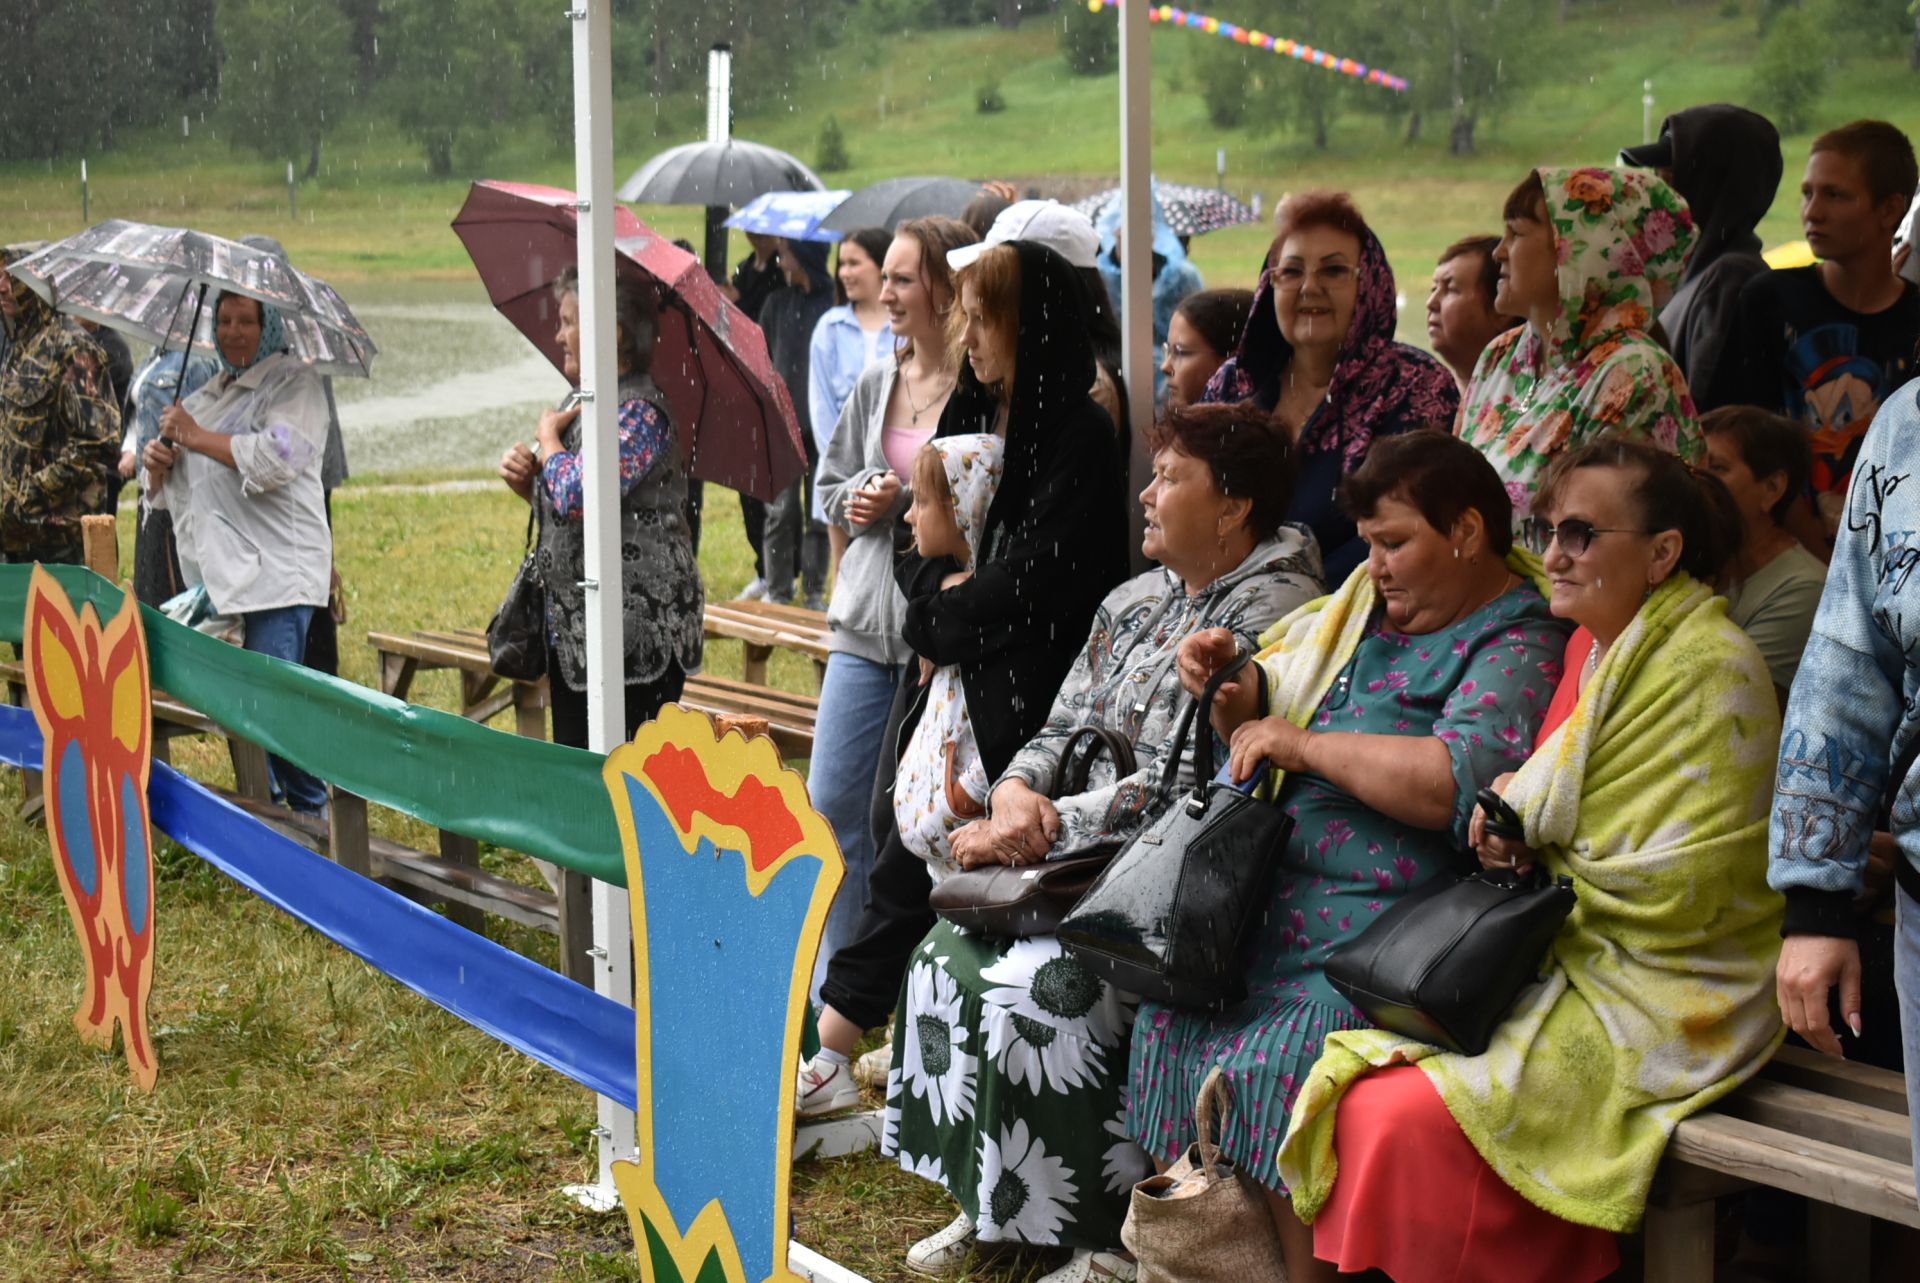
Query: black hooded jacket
1727, 165
1055, 537
788, 317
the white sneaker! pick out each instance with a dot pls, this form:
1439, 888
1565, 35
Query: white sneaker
946, 1252
1094, 1267
871, 1069
754, 591
823, 1087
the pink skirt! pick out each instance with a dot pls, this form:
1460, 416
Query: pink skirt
1415, 1199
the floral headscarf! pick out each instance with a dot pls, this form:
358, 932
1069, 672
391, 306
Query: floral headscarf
1622, 238
273, 337
973, 463
1379, 387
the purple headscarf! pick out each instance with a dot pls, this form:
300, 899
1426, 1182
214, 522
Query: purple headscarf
1380, 387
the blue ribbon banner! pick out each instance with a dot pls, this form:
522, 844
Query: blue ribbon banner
539, 1012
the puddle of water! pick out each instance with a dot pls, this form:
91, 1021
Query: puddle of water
454, 384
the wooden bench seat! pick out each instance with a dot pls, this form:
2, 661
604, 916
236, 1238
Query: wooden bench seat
761, 627
483, 693
1830, 1130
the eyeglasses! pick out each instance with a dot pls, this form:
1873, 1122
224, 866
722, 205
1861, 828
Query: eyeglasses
1574, 534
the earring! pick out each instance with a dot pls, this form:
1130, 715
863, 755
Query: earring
1456, 554
1599, 582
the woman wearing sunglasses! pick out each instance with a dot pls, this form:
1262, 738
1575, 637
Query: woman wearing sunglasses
1649, 787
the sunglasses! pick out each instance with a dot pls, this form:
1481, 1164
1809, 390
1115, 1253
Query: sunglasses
1574, 534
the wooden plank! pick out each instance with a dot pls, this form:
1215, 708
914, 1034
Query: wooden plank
100, 546
347, 832
251, 777
753, 662
1847, 1079
1679, 1244
1820, 1171
574, 918
530, 709
1817, 1115
396, 673
1839, 1245
458, 848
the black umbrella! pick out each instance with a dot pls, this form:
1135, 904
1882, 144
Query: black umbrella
894, 200
729, 173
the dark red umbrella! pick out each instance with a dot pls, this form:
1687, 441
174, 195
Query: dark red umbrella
735, 415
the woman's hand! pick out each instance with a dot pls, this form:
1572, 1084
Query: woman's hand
974, 845
128, 464
159, 460
1267, 739
517, 469
179, 426
1025, 823
552, 424
874, 501
1206, 653
927, 670
1498, 852
955, 579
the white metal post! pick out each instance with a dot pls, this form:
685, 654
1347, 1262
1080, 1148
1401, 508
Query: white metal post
600, 462
1136, 257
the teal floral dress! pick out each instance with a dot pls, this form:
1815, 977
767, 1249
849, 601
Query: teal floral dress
1623, 238
1481, 688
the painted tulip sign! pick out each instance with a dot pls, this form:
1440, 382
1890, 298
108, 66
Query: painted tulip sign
730, 872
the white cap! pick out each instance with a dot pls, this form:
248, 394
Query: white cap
1061, 228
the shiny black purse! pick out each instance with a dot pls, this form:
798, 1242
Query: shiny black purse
1170, 917
517, 633
1446, 962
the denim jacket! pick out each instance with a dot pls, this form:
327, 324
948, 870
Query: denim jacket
1856, 699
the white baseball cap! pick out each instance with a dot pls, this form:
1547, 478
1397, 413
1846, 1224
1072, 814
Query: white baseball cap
1061, 228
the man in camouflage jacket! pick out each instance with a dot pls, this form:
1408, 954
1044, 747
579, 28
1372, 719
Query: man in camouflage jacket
59, 428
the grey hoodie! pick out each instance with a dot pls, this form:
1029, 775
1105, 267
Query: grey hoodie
867, 607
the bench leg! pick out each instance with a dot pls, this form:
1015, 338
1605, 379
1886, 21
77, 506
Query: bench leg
753, 663
1680, 1243
250, 776
819, 675
347, 837
576, 926
458, 848
530, 710
1839, 1244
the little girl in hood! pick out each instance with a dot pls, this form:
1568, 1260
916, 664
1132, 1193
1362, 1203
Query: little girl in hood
942, 783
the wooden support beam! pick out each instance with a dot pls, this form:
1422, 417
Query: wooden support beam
1679, 1244
347, 834
459, 849
251, 777
1839, 1244
100, 546
575, 894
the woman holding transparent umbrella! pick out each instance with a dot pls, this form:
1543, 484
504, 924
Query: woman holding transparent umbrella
238, 465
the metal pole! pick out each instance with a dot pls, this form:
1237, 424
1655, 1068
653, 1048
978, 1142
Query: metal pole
1136, 257
293, 201
86, 198
600, 450
1646, 111
719, 131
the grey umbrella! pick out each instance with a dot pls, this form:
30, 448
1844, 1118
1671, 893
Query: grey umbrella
728, 173
892, 201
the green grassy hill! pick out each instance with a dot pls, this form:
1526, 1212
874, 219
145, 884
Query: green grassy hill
906, 104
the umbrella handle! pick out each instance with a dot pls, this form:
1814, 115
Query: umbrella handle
186, 353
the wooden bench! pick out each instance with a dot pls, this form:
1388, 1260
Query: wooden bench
1831, 1130
761, 627
790, 717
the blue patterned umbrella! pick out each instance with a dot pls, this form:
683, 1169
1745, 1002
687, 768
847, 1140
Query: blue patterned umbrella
1189, 211
793, 215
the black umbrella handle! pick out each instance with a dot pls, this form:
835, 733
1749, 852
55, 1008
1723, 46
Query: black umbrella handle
186, 353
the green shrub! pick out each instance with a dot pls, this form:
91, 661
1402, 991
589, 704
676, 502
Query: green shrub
1090, 42
1791, 72
832, 156
987, 99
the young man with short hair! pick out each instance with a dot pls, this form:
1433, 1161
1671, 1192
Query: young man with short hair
1826, 343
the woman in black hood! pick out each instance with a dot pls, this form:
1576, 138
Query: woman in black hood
1055, 538
1053, 543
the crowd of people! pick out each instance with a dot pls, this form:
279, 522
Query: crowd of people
1643, 498
1578, 555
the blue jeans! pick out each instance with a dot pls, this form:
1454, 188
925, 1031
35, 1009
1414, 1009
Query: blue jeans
282, 633
855, 697
1906, 978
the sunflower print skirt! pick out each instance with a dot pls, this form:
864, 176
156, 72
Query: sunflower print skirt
1009, 1061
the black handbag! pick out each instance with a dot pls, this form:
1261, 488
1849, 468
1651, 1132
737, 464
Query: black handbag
1018, 902
517, 633
1446, 962
1169, 918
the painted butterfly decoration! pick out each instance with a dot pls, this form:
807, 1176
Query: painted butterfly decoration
89, 686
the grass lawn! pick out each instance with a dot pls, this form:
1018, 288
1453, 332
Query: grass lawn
314, 1120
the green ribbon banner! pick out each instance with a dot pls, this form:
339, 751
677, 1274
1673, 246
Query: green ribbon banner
518, 793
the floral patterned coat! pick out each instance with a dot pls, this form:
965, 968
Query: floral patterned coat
1623, 238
